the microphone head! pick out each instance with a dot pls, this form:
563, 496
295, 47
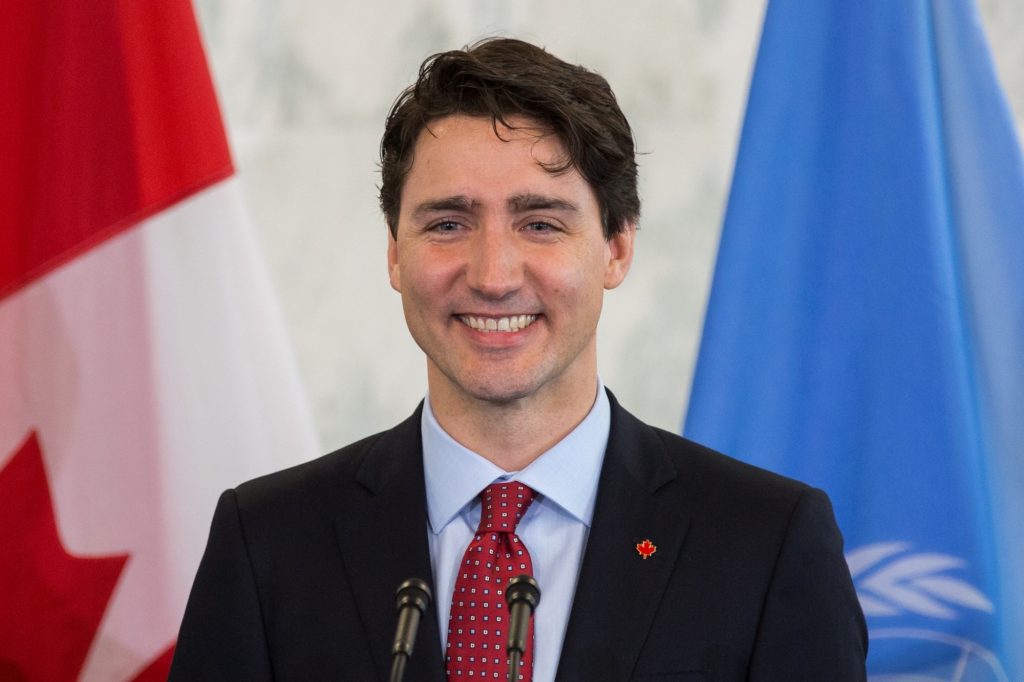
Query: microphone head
413, 592
523, 588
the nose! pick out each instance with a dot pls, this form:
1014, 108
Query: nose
495, 267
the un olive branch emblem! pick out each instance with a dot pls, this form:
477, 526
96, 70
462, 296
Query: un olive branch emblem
892, 581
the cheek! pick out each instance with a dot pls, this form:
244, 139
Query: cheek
584, 278
426, 279
575, 291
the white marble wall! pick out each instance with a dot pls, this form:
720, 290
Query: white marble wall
305, 87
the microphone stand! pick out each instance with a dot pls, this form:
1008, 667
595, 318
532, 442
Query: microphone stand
523, 596
412, 600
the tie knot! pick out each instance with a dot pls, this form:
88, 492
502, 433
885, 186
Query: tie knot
502, 505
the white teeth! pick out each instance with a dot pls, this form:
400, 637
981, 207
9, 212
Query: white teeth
498, 324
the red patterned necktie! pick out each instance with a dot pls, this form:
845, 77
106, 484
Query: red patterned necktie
478, 627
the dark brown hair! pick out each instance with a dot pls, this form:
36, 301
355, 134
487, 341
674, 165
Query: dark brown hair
500, 78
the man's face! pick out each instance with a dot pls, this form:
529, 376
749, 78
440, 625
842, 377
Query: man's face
501, 265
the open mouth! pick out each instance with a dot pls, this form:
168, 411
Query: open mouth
512, 323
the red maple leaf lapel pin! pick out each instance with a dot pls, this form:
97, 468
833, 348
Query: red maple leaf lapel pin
645, 549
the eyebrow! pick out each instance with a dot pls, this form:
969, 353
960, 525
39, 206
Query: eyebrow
533, 202
518, 204
454, 203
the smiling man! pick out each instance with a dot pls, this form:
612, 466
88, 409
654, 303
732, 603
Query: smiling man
502, 266
509, 190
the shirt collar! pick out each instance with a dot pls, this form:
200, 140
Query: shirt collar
566, 475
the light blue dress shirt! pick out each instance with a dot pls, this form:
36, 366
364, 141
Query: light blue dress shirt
554, 529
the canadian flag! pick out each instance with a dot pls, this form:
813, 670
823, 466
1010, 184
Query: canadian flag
143, 363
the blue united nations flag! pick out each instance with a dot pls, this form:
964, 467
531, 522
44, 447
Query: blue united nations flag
865, 331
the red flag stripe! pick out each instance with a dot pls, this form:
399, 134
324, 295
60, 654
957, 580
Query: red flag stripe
108, 116
53, 601
158, 670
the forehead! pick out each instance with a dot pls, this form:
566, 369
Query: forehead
469, 155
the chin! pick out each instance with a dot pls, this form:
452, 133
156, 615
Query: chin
498, 395
500, 391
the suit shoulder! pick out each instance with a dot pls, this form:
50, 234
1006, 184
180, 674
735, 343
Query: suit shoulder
339, 477
690, 468
694, 459
754, 507
341, 464
724, 490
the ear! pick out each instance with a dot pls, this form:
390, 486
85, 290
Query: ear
619, 255
394, 271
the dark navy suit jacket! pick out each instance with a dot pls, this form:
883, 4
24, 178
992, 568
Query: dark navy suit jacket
748, 581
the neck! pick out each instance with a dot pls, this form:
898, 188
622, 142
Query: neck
512, 434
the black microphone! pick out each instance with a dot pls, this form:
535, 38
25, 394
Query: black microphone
411, 599
522, 595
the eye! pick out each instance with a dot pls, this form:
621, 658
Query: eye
540, 227
445, 226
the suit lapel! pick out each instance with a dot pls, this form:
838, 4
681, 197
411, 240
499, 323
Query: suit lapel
382, 535
618, 591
